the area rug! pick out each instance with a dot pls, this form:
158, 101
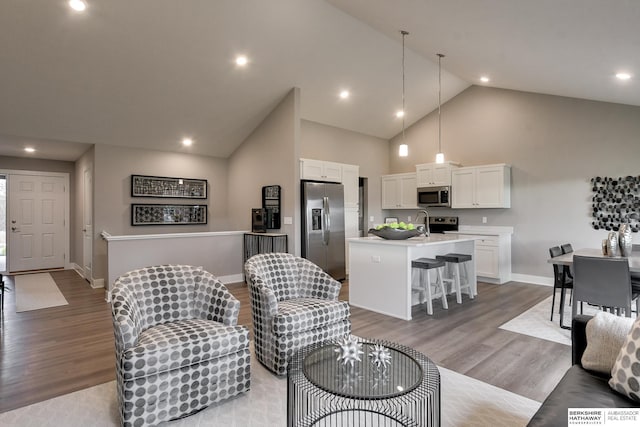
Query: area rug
535, 322
36, 291
466, 402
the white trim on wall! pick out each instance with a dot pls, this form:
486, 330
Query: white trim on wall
528, 278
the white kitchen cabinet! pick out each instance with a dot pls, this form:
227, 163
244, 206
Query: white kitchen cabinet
320, 170
350, 180
481, 187
492, 256
434, 174
399, 191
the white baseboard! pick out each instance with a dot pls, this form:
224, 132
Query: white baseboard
231, 278
536, 280
97, 283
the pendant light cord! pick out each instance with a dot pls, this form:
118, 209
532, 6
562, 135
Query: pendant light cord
404, 33
440, 56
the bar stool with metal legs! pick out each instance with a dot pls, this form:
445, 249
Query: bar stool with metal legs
453, 261
424, 265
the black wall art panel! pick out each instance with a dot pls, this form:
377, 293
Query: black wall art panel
143, 214
162, 186
616, 201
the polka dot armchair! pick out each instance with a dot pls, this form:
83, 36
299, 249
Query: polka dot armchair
178, 346
293, 304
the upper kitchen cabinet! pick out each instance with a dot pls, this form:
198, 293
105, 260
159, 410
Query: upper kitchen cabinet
486, 186
435, 174
350, 180
399, 191
319, 170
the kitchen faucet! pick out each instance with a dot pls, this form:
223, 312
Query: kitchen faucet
427, 232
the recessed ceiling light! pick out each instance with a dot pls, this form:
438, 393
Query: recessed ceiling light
187, 142
241, 60
400, 114
30, 149
484, 79
344, 94
623, 76
77, 5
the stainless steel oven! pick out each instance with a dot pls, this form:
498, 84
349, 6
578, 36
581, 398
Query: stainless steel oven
434, 196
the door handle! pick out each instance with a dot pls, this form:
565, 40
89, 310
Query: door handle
15, 229
326, 220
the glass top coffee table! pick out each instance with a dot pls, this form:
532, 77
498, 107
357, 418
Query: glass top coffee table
324, 391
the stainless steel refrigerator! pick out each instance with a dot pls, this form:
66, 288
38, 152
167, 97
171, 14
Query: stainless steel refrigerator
323, 226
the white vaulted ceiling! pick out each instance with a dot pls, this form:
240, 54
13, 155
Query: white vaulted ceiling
146, 73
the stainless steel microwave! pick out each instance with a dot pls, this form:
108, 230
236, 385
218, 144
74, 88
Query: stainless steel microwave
434, 196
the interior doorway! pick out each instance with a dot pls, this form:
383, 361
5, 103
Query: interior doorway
3, 223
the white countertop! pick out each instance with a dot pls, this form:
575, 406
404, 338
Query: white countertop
434, 239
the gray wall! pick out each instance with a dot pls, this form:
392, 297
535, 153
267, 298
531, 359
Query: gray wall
555, 145
269, 157
333, 144
113, 168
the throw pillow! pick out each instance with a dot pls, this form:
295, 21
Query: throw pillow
625, 375
605, 336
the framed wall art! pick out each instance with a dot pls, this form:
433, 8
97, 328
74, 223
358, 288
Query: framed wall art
148, 214
161, 186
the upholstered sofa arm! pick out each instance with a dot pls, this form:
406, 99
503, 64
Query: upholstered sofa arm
128, 321
263, 298
213, 301
315, 283
579, 337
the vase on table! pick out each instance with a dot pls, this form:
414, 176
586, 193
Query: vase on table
613, 249
624, 240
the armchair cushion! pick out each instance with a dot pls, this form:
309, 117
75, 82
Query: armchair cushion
182, 343
305, 314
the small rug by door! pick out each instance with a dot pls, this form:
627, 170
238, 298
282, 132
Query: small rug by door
36, 291
535, 322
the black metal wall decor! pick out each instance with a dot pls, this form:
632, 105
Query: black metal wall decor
162, 186
616, 201
144, 214
271, 195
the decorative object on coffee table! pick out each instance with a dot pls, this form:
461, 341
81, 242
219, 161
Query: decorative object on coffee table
380, 357
349, 350
320, 393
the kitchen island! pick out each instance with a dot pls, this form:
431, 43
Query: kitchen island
380, 270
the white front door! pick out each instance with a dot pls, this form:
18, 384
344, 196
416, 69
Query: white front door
87, 225
36, 222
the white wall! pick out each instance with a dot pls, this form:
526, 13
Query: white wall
555, 146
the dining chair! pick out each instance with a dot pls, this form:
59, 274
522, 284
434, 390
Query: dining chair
561, 280
605, 282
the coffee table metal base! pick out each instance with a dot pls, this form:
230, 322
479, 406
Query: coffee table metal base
322, 392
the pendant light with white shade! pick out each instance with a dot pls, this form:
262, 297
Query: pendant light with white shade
440, 154
403, 149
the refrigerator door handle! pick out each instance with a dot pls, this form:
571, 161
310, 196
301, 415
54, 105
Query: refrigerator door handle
326, 230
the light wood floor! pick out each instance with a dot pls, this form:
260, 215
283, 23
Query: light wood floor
50, 352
